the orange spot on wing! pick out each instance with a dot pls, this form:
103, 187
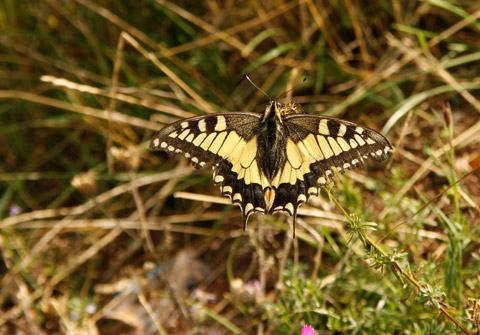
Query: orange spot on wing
269, 197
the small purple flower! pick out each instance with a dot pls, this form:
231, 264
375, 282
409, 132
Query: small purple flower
15, 210
253, 288
91, 308
74, 316
308, 330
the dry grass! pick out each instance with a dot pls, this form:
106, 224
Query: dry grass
98, 235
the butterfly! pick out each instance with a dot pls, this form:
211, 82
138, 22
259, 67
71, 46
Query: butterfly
274, 161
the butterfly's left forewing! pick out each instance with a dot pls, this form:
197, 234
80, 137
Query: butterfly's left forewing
228, 143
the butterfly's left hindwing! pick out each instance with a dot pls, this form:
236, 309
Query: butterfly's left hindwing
228, 143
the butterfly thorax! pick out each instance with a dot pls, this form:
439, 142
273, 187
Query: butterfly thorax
280, 110
272, 137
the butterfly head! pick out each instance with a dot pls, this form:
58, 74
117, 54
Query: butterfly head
280, 110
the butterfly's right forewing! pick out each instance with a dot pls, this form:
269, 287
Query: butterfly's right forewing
205, 140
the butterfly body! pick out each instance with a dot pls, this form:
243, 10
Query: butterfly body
271, 143
275, 161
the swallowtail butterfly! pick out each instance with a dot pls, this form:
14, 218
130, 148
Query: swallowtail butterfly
275, 161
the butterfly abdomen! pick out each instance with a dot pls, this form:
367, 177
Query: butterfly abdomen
271, 147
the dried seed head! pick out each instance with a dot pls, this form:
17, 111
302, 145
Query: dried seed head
129, 157
86, 182
447, 114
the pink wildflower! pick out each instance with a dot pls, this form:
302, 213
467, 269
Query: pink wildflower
308, 330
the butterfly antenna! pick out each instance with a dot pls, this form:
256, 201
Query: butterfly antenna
258, 88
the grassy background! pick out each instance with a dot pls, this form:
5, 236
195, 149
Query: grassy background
98, 235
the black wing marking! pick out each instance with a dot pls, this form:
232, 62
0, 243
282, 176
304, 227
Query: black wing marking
244, 188
228, 143
316, 148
